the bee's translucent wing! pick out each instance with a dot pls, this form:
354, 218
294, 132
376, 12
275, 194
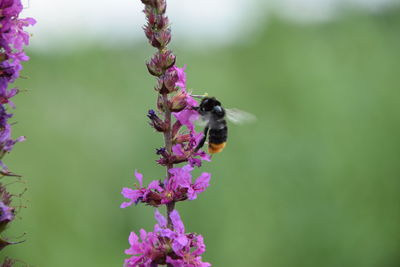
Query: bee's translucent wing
239, 116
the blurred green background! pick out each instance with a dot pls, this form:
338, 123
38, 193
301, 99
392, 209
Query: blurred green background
315, 182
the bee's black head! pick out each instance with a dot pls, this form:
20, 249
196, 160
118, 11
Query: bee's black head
213, 106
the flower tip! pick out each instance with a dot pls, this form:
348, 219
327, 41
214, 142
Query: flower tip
125, 205
139, 177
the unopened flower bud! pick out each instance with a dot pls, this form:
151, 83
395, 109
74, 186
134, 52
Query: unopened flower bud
151, 18
163, 37
182, 138
151, 3
148, 31
170, 78
156, 122
160, 22
153, 68
162, 152
168, 59
160, 62
178, 102
154, 42
161, 6
176, 127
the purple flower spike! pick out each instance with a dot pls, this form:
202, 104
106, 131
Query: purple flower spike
174, 117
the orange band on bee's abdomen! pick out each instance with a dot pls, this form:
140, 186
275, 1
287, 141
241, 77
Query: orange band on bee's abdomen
215, 148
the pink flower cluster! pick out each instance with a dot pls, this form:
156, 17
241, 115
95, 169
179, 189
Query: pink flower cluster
178, 187
184, 136
164, 246
12, 40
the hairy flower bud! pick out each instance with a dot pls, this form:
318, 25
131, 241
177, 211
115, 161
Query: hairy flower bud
156, 122
175, 128
168, 59
154, 42
151, 3
160, 62
161, 6
148, 31
178, 102
170, 78
153, 68
163, 37
182, 138
160, 22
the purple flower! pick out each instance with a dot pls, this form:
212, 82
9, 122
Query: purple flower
187, 117
134, 194
178, 188
181, 77
164, 245
182, 178
12, 36
189, 152
6, 214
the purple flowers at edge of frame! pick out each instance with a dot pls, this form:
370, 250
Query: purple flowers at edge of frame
13, 38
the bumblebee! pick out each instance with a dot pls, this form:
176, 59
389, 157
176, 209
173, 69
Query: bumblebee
213, 114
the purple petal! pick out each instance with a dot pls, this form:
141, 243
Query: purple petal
179, 243
133, 239
177, 222
195, 162
187, 117
155, 185
160, 219
176, 263
126, 204
139, 177
131, 194
143, 234
181, 77
202, 182
168, 233
178, 150
201, 247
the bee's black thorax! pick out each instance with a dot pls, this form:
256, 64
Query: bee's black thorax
211, 109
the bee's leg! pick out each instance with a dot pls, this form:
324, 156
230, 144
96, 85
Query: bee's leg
203, 140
